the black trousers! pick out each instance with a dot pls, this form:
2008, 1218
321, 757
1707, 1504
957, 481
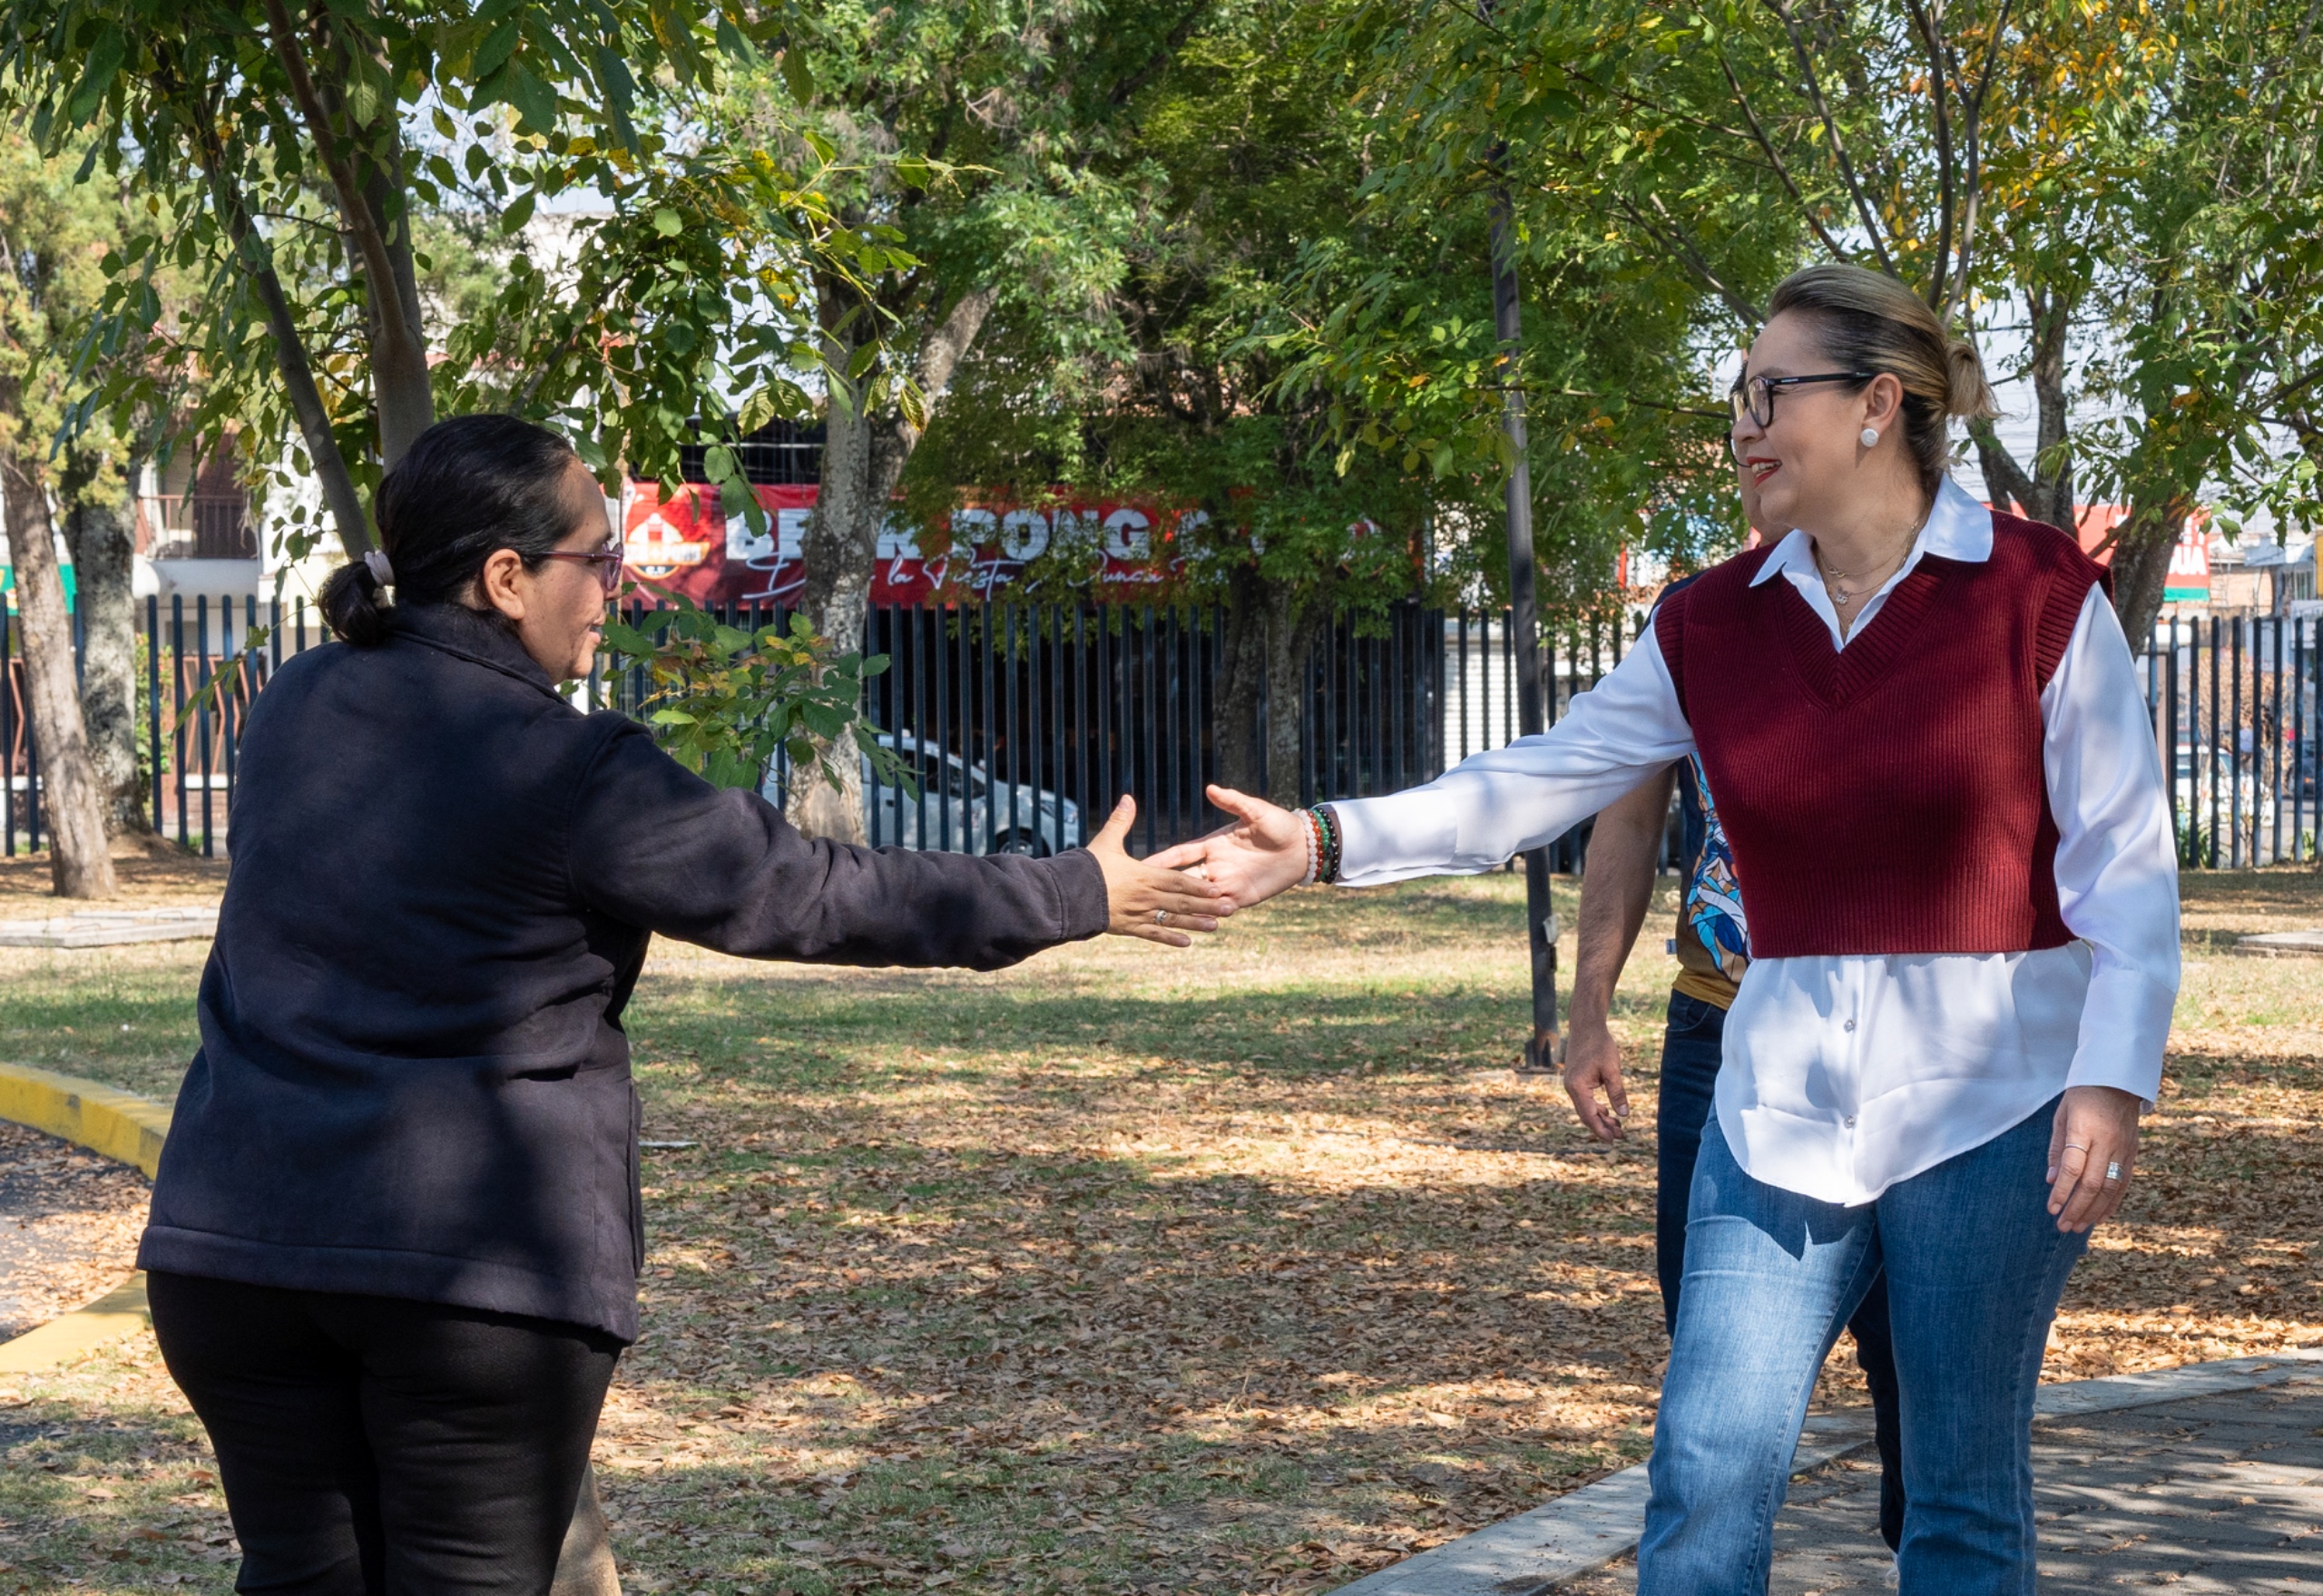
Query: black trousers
375, 1446
1691, 1048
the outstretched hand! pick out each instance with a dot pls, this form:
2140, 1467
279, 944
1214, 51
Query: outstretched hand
1261, 852
1145, 898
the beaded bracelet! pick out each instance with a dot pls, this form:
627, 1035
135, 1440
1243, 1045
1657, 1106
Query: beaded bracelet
1308, 829
1326, 825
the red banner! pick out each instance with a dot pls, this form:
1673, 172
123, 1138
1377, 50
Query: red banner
684, 544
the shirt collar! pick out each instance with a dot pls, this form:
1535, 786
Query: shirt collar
1957, 528
473, 635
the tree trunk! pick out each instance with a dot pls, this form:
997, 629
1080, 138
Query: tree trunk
99, 539
70, 790
841, 546
864, 456
2141, 566
1292, 626
1242, 684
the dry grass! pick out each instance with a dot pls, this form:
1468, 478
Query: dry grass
1242, 1271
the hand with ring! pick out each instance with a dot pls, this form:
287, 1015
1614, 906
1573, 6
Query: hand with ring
2092, 1151
1143, 900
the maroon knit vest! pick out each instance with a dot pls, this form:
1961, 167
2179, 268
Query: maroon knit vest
1889, 797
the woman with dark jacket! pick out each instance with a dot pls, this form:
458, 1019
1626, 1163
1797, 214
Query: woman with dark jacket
396, 1228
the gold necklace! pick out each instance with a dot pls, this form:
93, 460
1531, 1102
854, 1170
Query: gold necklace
1835, 580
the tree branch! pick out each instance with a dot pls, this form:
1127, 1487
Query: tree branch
1172, 44
2005, 479
1685, 250
306, 400
399, 353
1765, 145
1925, 22
1972, 125
1872, 229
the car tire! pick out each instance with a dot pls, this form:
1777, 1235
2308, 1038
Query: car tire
1028, 843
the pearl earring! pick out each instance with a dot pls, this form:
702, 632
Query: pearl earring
1871, 437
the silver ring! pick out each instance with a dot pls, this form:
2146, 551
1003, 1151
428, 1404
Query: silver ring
2075, 1147
2113, 1171
1160, 917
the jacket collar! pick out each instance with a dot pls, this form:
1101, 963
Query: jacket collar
1957, 528
468, 635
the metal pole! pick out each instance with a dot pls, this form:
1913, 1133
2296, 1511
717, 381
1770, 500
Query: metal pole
1542, 1049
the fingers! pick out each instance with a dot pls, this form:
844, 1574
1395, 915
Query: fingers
1115, 831
1592, 1115
1593, 1060
2095, 1159
1240, 805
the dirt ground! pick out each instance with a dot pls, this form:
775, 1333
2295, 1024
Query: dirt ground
69, 1223
159, 878
1246, 1271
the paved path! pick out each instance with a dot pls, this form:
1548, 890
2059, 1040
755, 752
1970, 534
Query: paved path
2210, 1494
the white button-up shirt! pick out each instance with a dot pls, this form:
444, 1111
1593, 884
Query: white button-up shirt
1844, 1074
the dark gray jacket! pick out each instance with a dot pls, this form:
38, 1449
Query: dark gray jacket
413, 1080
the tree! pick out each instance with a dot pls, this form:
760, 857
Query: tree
46, 231
288, 155
2010, 159
1256, 362
1023, 102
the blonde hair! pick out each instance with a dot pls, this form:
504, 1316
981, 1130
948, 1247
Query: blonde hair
1870, 322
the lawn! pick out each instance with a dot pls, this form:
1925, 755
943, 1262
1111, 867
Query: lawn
1240, 1270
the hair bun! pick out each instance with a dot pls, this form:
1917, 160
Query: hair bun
350, 606
1967, 391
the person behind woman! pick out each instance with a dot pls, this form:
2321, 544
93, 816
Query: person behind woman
397, 1229
1925, 731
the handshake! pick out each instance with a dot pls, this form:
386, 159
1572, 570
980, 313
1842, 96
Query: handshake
1192, 886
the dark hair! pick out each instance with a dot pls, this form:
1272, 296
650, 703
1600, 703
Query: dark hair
468, 487
1871, 322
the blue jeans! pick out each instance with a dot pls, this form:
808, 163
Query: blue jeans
1691, 1046
1974, 1265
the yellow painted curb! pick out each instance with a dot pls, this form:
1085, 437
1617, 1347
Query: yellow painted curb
116, 1314
119, 1125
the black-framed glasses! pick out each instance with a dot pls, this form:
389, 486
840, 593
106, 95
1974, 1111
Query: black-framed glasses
607, 560
1756, 397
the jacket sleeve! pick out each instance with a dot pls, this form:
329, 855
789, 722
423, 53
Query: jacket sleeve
656, 846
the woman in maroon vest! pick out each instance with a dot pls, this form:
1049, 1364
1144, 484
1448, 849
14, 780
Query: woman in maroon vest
1946, 810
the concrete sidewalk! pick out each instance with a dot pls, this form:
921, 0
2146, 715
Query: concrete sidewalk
2210, 1493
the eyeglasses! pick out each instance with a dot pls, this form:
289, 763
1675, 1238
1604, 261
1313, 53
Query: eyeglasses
1755, 398
608, 561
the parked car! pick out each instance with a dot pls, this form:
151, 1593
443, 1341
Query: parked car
982, 820
2244, 801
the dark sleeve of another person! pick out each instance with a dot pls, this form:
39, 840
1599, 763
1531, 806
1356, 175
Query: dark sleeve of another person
654, 845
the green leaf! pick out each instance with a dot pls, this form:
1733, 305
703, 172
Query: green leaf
796, 79
513, 220
498, 45
96, 75
533, 100
668, 224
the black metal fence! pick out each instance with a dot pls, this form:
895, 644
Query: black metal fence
1021, 723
